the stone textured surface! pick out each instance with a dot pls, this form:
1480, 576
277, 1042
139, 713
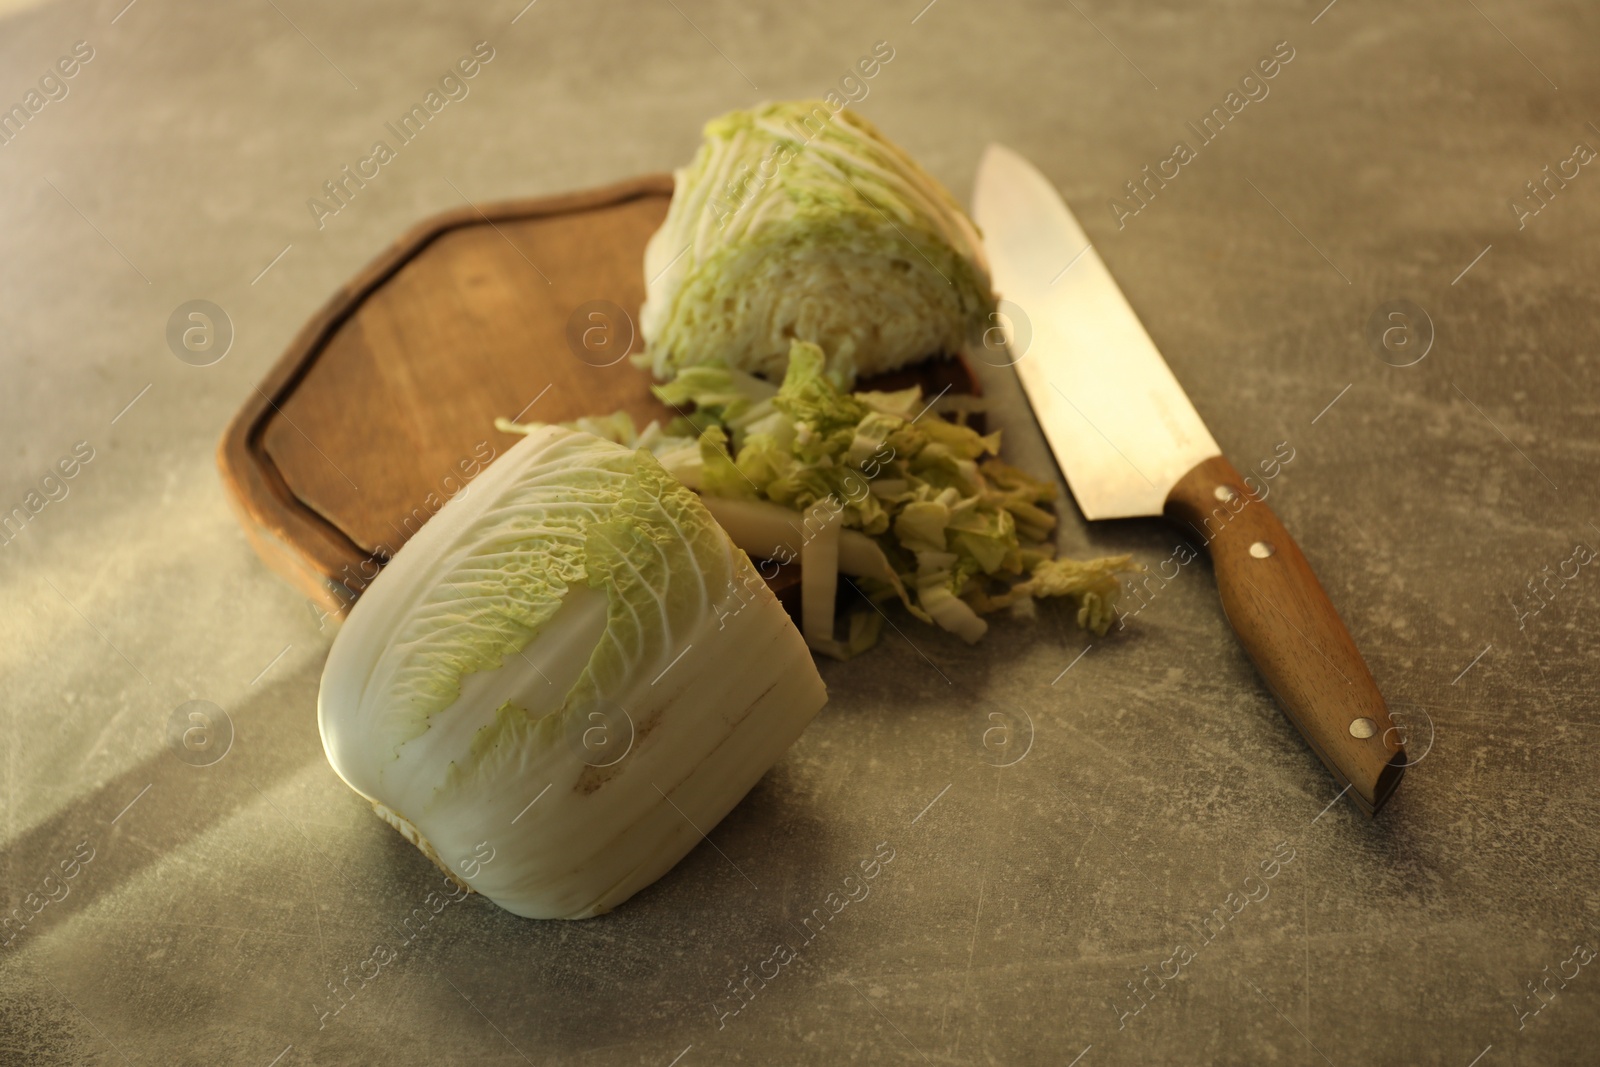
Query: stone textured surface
218, 911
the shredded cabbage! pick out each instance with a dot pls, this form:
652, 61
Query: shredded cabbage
953, 532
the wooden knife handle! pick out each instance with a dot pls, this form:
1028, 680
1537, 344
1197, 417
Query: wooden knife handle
1292, 633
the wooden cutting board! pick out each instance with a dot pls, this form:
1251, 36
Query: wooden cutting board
383, 406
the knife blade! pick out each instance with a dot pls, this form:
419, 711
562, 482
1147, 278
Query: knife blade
1130, 443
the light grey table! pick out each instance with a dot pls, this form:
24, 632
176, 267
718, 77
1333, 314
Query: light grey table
212, 909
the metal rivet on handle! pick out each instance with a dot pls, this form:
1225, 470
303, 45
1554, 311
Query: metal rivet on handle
1363, 728
1225, 494
1262, 549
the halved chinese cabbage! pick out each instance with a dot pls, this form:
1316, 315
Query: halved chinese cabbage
564, 678
796, 222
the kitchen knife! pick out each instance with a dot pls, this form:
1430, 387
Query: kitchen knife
1131, 444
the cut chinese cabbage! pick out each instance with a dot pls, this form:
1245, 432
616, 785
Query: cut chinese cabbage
964, 533
927, 513
796, 222
571, 671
